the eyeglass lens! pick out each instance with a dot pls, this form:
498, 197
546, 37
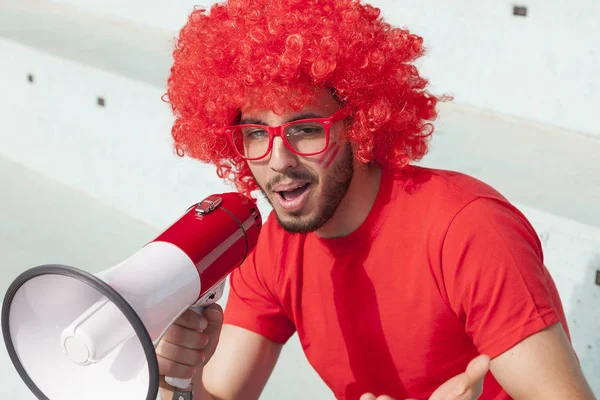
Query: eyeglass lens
252, 141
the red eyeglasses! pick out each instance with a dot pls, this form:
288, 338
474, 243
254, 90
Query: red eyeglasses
305, 137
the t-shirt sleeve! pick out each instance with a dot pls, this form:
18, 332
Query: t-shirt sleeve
495, 278
252, 305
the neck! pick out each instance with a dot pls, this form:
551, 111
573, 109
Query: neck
356, 204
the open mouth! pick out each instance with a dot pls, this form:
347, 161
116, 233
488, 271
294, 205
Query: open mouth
288, 195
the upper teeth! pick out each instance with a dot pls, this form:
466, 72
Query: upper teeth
294, 188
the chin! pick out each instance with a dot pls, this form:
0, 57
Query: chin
301, 221
298, 225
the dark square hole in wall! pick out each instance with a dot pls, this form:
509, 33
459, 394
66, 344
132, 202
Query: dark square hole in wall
30, 78
598, 277
101, 101
520, 11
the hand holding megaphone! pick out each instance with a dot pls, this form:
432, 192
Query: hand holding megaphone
188, 345
184, 341
71, 334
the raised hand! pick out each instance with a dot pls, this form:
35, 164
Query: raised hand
465, 386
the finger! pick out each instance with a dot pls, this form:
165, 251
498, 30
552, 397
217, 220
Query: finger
384, 397
185, 337
368, 396
192, 320
181, 355
174, 369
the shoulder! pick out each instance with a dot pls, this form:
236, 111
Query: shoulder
438, 186
429, 201
442, 193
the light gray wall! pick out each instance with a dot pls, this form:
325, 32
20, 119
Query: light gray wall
120, 155
544, 67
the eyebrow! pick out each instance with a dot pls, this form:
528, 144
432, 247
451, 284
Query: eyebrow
256, 121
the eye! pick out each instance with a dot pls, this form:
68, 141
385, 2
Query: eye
305, 129
255, 133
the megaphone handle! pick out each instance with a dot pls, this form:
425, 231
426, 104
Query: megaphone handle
183, 383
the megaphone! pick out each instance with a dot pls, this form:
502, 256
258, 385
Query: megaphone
71, 334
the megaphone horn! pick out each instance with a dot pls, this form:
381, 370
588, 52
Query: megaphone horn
71, 334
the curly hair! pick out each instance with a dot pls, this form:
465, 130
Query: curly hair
274, 54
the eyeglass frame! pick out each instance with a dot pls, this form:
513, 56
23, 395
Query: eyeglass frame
275, 131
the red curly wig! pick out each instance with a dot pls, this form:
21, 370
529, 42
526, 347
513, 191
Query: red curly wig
271, 53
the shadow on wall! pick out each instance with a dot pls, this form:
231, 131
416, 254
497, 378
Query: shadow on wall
584, 320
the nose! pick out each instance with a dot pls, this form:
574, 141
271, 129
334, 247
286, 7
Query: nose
282, 158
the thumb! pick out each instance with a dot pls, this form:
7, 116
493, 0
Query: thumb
214, 315
477, 369
474, 375
465, 386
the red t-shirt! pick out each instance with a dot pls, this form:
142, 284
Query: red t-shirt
442, 269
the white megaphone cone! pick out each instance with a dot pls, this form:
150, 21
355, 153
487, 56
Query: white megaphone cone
74, 335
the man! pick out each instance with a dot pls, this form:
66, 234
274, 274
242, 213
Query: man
401, 281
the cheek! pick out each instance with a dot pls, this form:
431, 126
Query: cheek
325, 159
258, 172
